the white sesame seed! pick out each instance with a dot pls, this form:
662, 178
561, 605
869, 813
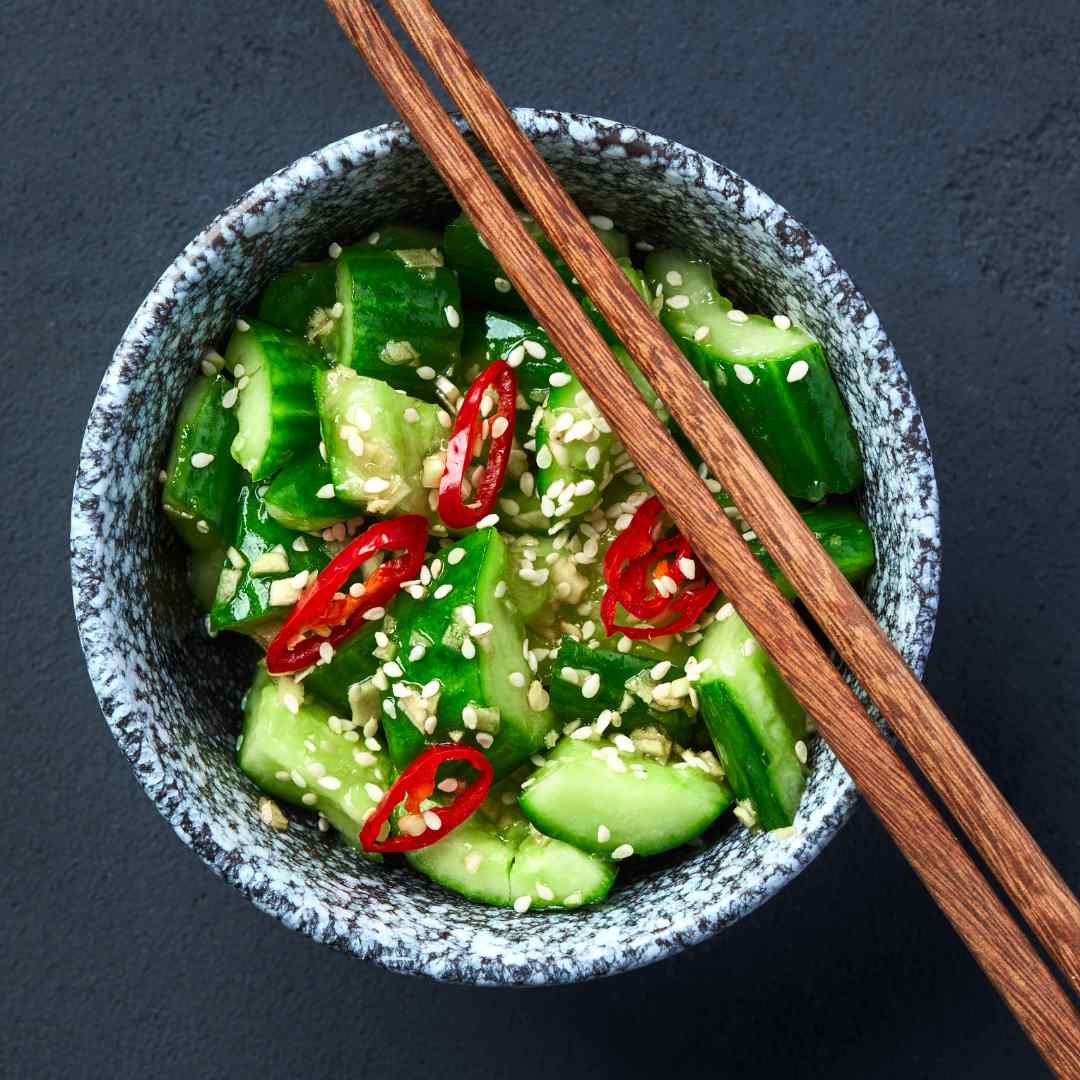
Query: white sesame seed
522, 904
325, 492
726, 611
432, 820
660, 670
591, 686
455, 555
411, 416
623, 851
373, 791
334, 250
603, 834
678, 301
601, 221
534, 349
499, 426
701, 333
426, 373
516, 355
687, 566
337, 310
373, 238
797, 371
210, 370
360, 417
393, 669
309, 798
468, 649
743, 373
443, 590
374, 614
781, 322
538, 696
488, 521
201, 460
484, 740
243, 325
737, 316
559, 378
331, 783
673, 277
517, 679
452, 316
375, 485
800, 751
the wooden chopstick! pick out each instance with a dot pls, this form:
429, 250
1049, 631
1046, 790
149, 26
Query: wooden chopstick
964, 896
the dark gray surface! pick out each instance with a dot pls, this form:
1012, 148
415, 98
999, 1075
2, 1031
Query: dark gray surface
935, 147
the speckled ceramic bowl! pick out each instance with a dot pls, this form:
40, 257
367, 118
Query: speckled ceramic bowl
171, 696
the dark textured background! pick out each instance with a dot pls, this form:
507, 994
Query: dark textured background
934, 146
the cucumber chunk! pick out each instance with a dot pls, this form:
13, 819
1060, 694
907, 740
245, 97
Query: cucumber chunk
200, 494
841, 532
377, 441
573, 452
554, 874
589, 683
289, 749
276, 406
754, 720
353, 662
497, 858
602, 799
401, 317
302, 495
258, 581
484, 282
396, 236
770, 376
477, 681
290, 300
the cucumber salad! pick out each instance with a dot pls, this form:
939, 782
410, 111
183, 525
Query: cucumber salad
486, 648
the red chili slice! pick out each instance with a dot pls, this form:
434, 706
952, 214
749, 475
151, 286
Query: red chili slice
468, 428
415, 784
336, 619
636, 560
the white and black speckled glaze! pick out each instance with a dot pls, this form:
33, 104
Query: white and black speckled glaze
171, 696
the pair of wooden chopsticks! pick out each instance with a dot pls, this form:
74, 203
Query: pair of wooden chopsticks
973, 908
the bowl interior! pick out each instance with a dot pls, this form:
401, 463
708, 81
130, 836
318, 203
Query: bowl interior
172, 696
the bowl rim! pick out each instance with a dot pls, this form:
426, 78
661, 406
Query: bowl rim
145, 325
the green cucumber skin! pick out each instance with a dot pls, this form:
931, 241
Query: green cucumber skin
481, 681
393, 448
280, 366
256, 534
354, 661
208, 494
494, 335
477, 267
574, 793
387, 301
292, 499
275, 740
800, 430
615, 669
396, 236
841, 532
754, 722
291, 298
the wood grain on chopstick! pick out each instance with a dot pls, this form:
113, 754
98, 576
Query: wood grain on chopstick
916, 827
